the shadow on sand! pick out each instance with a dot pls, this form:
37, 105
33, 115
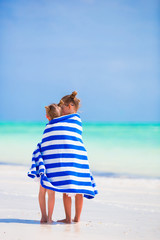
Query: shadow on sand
24, 221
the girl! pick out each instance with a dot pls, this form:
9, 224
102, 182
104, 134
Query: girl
70, 105
52, 111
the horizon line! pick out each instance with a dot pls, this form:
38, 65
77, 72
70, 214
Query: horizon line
85, 122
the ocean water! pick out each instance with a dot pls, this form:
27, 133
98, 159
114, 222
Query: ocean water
113, 149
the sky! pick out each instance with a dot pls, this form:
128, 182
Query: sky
106, 50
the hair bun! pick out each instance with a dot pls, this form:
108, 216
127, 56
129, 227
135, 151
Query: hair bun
73, 94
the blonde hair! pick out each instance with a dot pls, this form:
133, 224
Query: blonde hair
70, 99
52, 111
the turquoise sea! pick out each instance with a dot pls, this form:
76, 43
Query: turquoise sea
113, 149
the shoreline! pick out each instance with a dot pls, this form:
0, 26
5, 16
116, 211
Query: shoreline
96, 173
124, 209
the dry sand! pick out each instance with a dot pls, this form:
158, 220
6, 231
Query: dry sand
123, 209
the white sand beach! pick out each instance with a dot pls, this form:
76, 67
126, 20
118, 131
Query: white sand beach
123, 209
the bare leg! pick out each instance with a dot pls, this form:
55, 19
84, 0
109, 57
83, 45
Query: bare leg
78, 207
51, 202
67, 201
42, 204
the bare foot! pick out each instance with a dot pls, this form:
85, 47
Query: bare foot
76, 220
65, 221
43, 220
50, 221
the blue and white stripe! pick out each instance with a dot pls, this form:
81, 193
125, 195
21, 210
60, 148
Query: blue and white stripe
61, 158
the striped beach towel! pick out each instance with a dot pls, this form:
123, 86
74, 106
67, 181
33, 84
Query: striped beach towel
61, 161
